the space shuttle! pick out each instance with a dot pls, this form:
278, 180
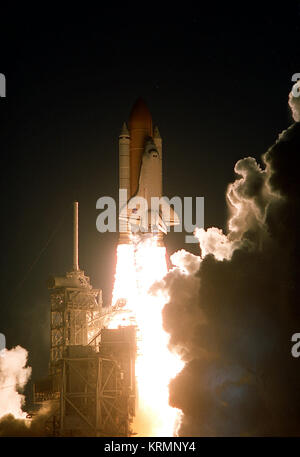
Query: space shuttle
143, 209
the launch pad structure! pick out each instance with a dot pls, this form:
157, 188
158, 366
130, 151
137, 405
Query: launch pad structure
91, 386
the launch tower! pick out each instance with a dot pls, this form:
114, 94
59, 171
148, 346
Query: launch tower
90, 389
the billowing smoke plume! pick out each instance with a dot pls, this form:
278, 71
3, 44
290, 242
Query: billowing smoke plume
14, 375
37, 425
232, 311
294, 101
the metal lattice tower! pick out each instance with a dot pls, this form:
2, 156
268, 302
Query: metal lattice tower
91, 384
75, 307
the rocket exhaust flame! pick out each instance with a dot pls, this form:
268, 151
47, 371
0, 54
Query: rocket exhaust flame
139, 265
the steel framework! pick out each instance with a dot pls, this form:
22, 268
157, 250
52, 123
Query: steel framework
75, 313
91, 384
97, 393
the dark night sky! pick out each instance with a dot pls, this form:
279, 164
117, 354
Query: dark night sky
215, 81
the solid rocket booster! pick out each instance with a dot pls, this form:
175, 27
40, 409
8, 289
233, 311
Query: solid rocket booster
140, 174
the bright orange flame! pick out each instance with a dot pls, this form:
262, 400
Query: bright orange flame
138, 267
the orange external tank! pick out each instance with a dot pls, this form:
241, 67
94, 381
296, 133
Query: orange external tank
140, 127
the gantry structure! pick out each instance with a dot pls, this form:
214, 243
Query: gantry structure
91, 386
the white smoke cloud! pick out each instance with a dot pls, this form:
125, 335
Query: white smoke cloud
294, 101
186, 261
248, 199
14, 375
214, 241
